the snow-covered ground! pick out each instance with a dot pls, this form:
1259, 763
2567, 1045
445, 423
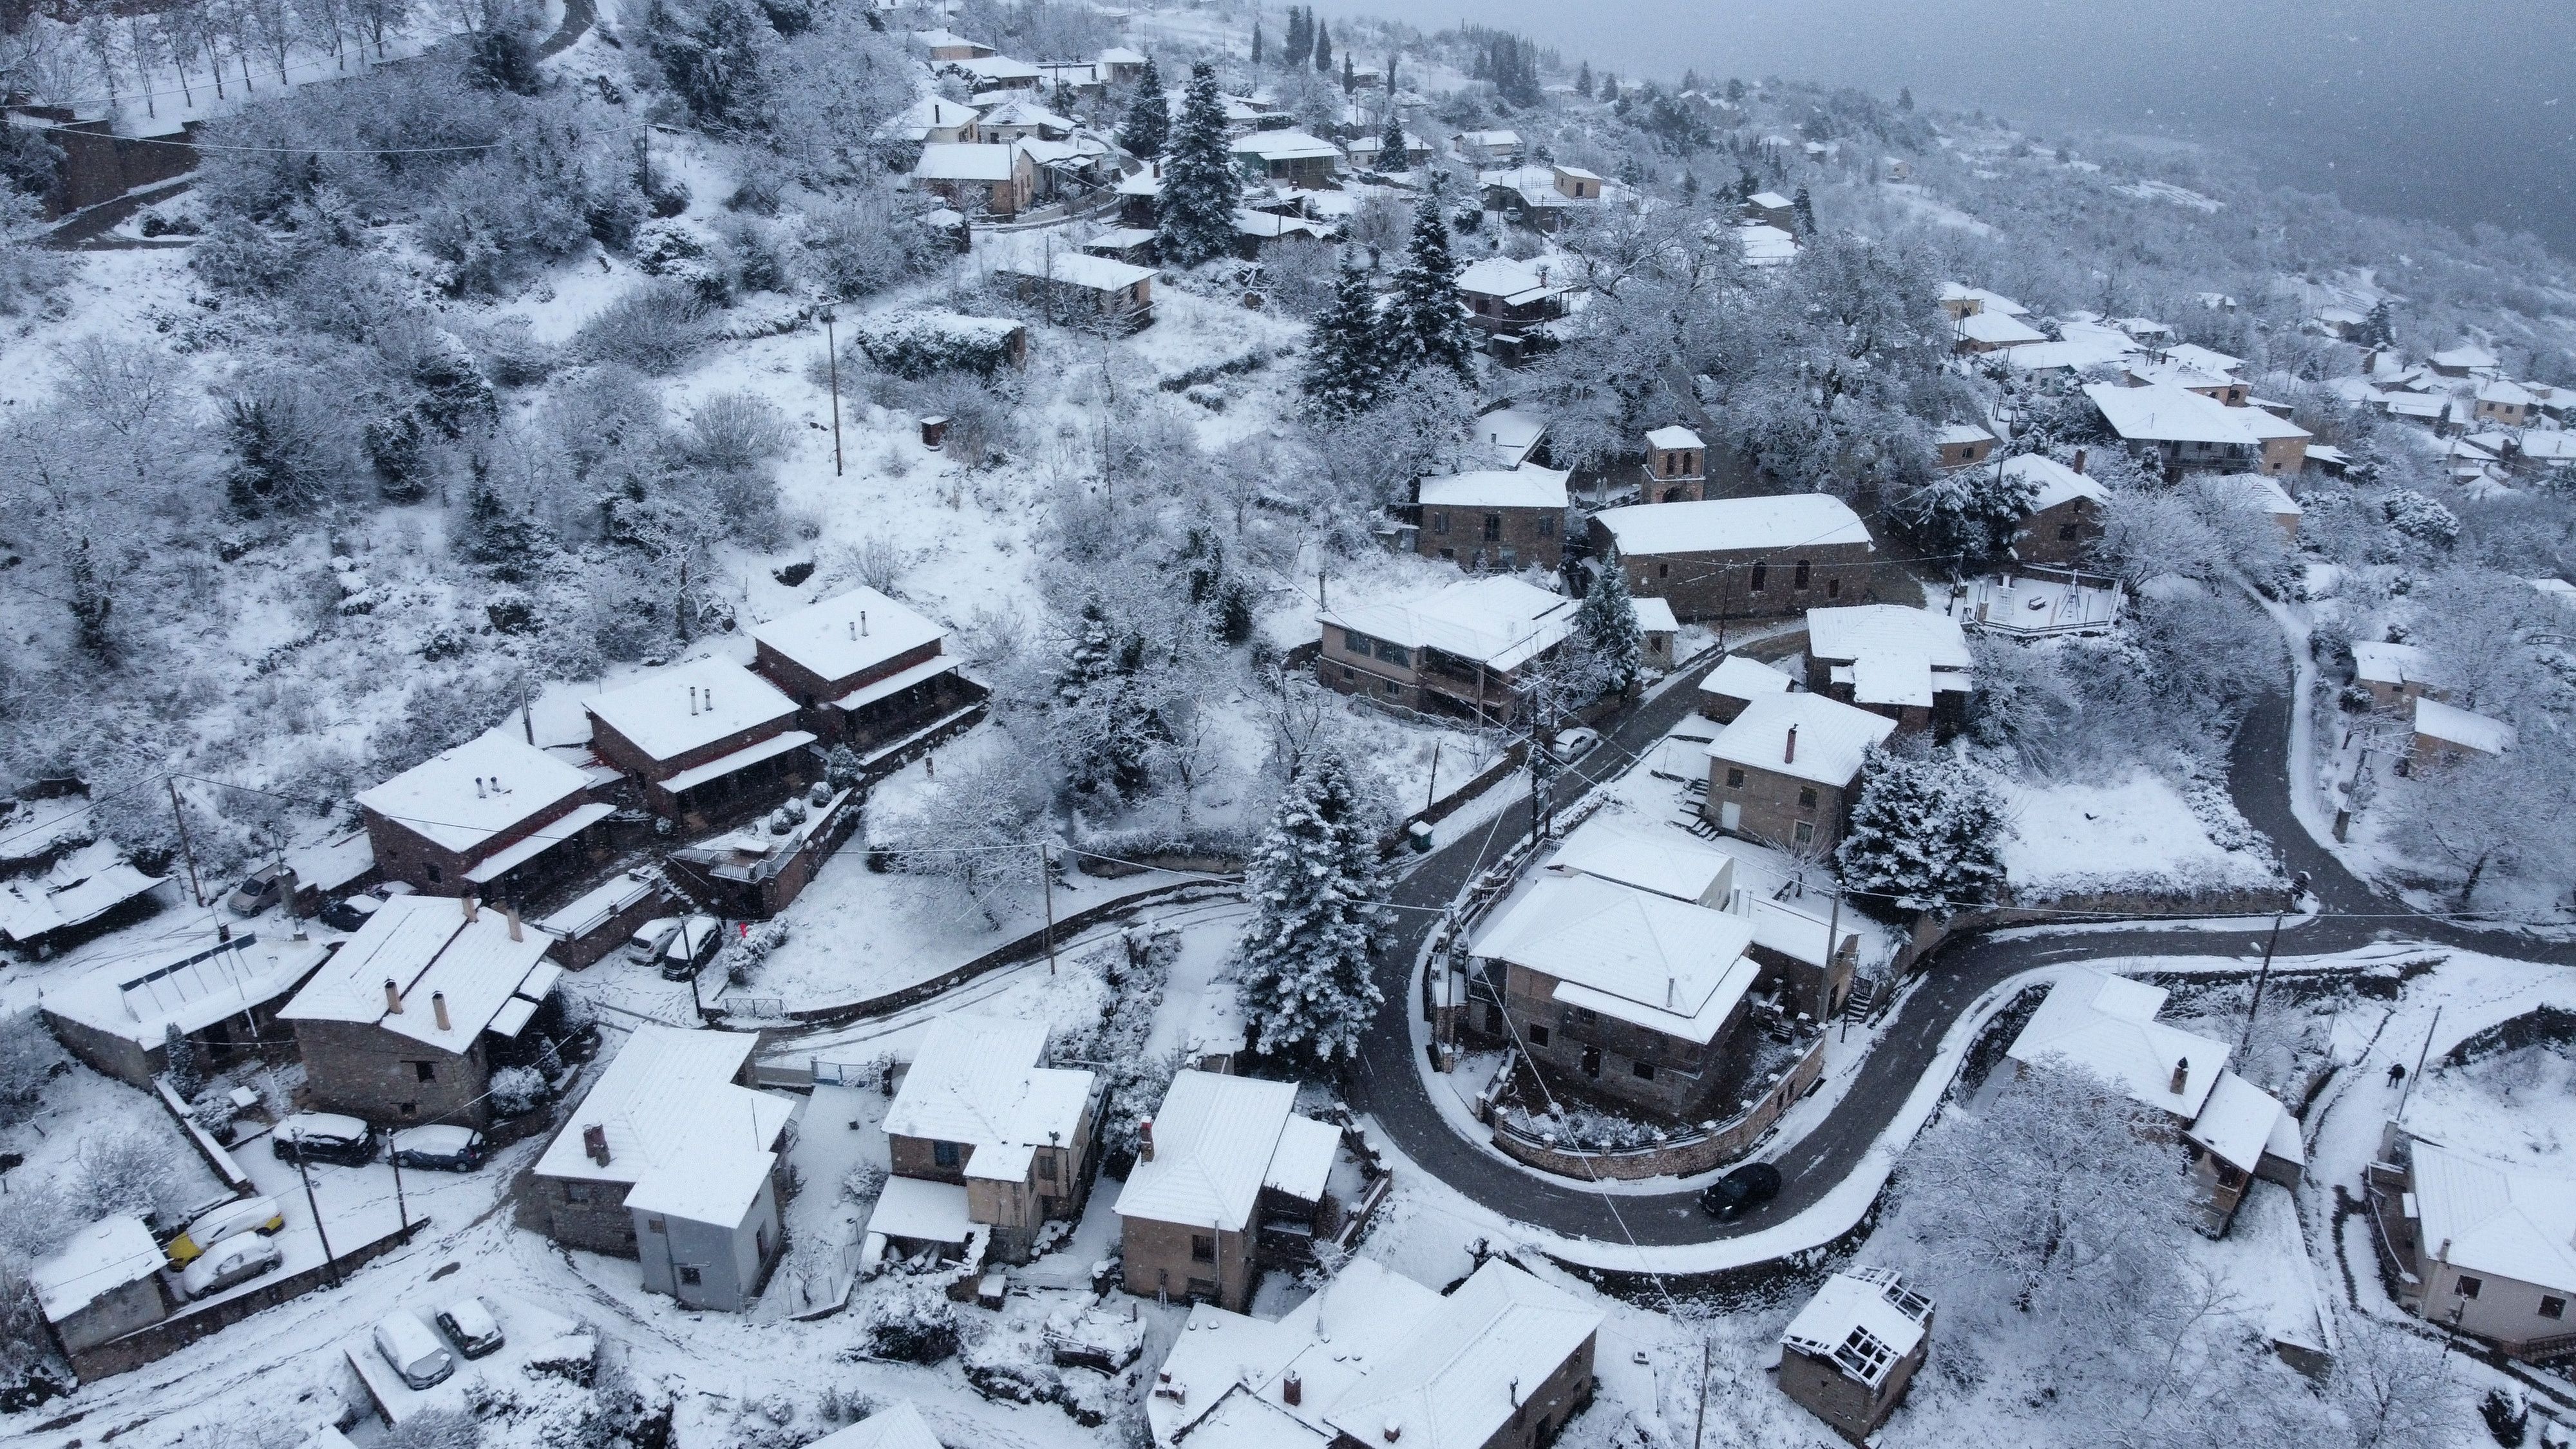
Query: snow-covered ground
2137, 834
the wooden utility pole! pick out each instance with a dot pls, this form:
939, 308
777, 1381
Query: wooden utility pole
2408, 1095
1046, 878
832, 350
179, 818
330, 1261
1699, 1425
1432, 793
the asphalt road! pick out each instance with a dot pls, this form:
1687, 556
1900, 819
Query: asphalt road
1390, 1087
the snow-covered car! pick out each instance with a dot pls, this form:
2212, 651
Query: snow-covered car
439, 1149
646, 944
241, 1215
1574, 744
691, 947
469, 1323
350, 912
412, 1350
236, 1259
324, 1137
265, 888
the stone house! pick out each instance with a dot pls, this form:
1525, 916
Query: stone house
1962, 445
1773, 210
494, 817
1510, 297
222, 995
2261, 495
1495, 518
2446, 732
1786, 772
1363, 151
1741, 558
1911, 665
978, 177
862, 669
1221, 1154
2184, 431
1121, 66
1982, 332
103, 1283
674, 1160
1850, 1353
949, 45
2482, 1247
2395, 674
702, 742
980, 1113
1085, 292
1676, 467
988, 72
937, 120
2061, 512
2505, 404
1461, 651
1484, 148
1658, 632
1736, 682
399, 1026
2466, 360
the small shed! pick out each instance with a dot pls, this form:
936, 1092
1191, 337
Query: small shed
1850, 1353
1086, 292
104, 1283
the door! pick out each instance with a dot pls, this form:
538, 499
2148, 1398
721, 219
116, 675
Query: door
1730, 815
1592, 1062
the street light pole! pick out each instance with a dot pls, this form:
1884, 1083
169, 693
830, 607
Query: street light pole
2298, 887
832, 349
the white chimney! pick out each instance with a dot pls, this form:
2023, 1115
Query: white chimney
863, 623
511, 915
2181, 1074
438, 1008
478, 787
1145, 1138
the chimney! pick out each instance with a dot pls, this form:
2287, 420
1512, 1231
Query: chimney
471, 906
1292, 1391
478, 787
1145, 1135
1516, 1391
854, 628
511, 915
438, 1009
1670, 987
693, 699
1393, 1431
2079, 460
594, 1140
863, 623
393, 998
1789, 751
2182, 1071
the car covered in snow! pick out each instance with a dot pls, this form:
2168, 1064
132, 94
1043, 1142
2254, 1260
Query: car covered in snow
324, 1137
691, 947
469, 1324
1574, 744
351, 912
236, 1259
645, 946
241, 1215
412, 1351
439, 1149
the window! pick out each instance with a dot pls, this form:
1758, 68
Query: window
1449, 555
1807, 799
2069, 530
1493, 526
1663, 571
424, 1072
1735, 777
656, 1225
1440, 524
1395, 654
1806, 832
1833, 588
1202, 1247
1537, 1035
2469, 1286
1760, 572
1586, 1015
1357, 642
1800, 581
1511, 557
2552, 1306
1547, 525
1387, 686
1348, 673
946, 1154
576, 1192
410, 1109
434, 876
690, 1276
1645, 1071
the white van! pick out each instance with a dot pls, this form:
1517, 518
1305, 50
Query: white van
413, 1350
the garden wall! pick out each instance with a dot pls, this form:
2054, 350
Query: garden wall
1684, 1155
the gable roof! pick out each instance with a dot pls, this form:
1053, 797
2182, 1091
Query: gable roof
668, 1098
1284, 146
669, 712
1675, 865
2106, 1024
968, 161
2456, 726
1850, 631
2160, 412
1457, 1379
1998, 329
1213, 1140
2374, 663
1499, 621
1667, 965
1513, 434
1513, 281
848, 634
1080, 269
1737, 677
2511, 1222
977, 1080
898, 1425
1833, 737
460, 798
2051, 482
92, 1263
2241, 1121
1526, 487
1863, 1321
427, 948
1717, 525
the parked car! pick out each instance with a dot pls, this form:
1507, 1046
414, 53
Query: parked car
691, 947
469, 1322
324, 1137
241, 1215
1574, 744
649, 939
412, 1350
265, 888
350, 912
1746, 1188
236, 1259
439, 1149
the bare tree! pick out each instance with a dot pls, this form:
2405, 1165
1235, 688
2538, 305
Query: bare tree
2395, 1390
129, 390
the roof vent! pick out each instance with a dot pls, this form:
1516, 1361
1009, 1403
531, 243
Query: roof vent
863, 623
2182, 1071
478, 787
594, 1140
438, 1008
511, 915
393, 998
693, 699
1393, 1431
1789, 751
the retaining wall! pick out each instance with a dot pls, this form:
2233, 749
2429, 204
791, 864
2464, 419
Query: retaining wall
1681, 1157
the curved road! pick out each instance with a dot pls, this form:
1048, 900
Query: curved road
1390, 1087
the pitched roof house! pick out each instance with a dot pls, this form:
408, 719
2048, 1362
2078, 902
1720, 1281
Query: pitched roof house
2189, 432
1740, 557
1457, 651
2485, 1247
1850, 1353
1788, 768
863, 668
701, 739
1903, 663
1500, 518
1220, 1154
1012, 1138
494, 816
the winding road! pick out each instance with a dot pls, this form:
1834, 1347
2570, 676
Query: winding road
1390, 1086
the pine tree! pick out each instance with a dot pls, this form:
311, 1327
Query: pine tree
1102, 728
1390, 71
1200, 189
1583, 81
1969, 513
1427, 326
1805, 211
2380, 329
1923, 833
1256, 41
1345, 373
1608, 622
1609, 89
179, 1062
1300, 41
1690, 186
1391, 153
1314, 882
1148, 124
1350, 76
1905, 98
1323, 50
91, 603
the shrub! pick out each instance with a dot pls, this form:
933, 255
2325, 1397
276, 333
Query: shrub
517, 1091
28, 1057
122, 1172
918, 345
653, 329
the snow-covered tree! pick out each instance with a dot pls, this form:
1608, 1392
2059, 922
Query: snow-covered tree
2379, 329
1101, 720
28, 271
1345, 372
1966, 513
1924, 832
187, 1075
712, 58
1315, 882
2490, 815
1196, 209
1426, 322
1607, 620
2395, 1390
1148, 123
1391, 153
1803, 208
1323, 49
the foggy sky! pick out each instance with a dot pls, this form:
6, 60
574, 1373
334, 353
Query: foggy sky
2445, 109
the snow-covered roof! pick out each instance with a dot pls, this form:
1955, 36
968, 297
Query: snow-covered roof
1954, 433
2558, 589
92, 1263
1119, 239
1284, 146
668, 1099
848, 634
1214, 1137
946, 40
1673, 437
1100, 274
2193, 355
1121, 55
2375, 663
1721, 525
2052, 482
1530, 487
2508, 394
1666, 862
2453, 725
930, 113
1881, 677
2163, 413
190, 986
1515, 282
1737, 677
1302, 1164
2107, 1025
1500, 622
1765, 245
896, 1426
967, 161
1490, 138
81, 887
1995, 329
1664, 964
1767, 200
1991, 301
1224, 1368
1457, 1379
428, 949
2484, 1217
2260, 493
926, 1211
992, 68
331, 863
1862, 1321
670, 712
1512, 434
1654, 616
1023, 112
2467, 357
591, 909
715, 1184
2239, 1121
1833, 737
1851, 631
978, 1080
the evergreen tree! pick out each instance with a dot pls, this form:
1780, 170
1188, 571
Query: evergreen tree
1323, 50
179, 1057
1391, 153
91, 603
1102, 730
1746, 183
1690, 186
1905, 98
1148, 124
1427, 326
1607, 621
713, 60
502, 540
1300, 41
1200, 189
1734, 91
1805, 211
1583, 81
2380, 329
1256, 40
1345, 373
1390, 71
1314, 882
1969, 513
1923, 834
1350, 76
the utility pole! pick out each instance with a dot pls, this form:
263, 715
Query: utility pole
1046, 878
330, 1261
1699, 1425
402, 1212
1319, 590
179, 818
1433, 792
527, 721
2427, 1050
832, 350
2255, 1007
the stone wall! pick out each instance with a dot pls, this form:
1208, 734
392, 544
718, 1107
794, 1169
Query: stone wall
365, 1071
1685, 1154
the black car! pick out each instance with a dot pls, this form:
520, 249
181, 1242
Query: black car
439, 1149
1747, 1187
350, 912
324, 1137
